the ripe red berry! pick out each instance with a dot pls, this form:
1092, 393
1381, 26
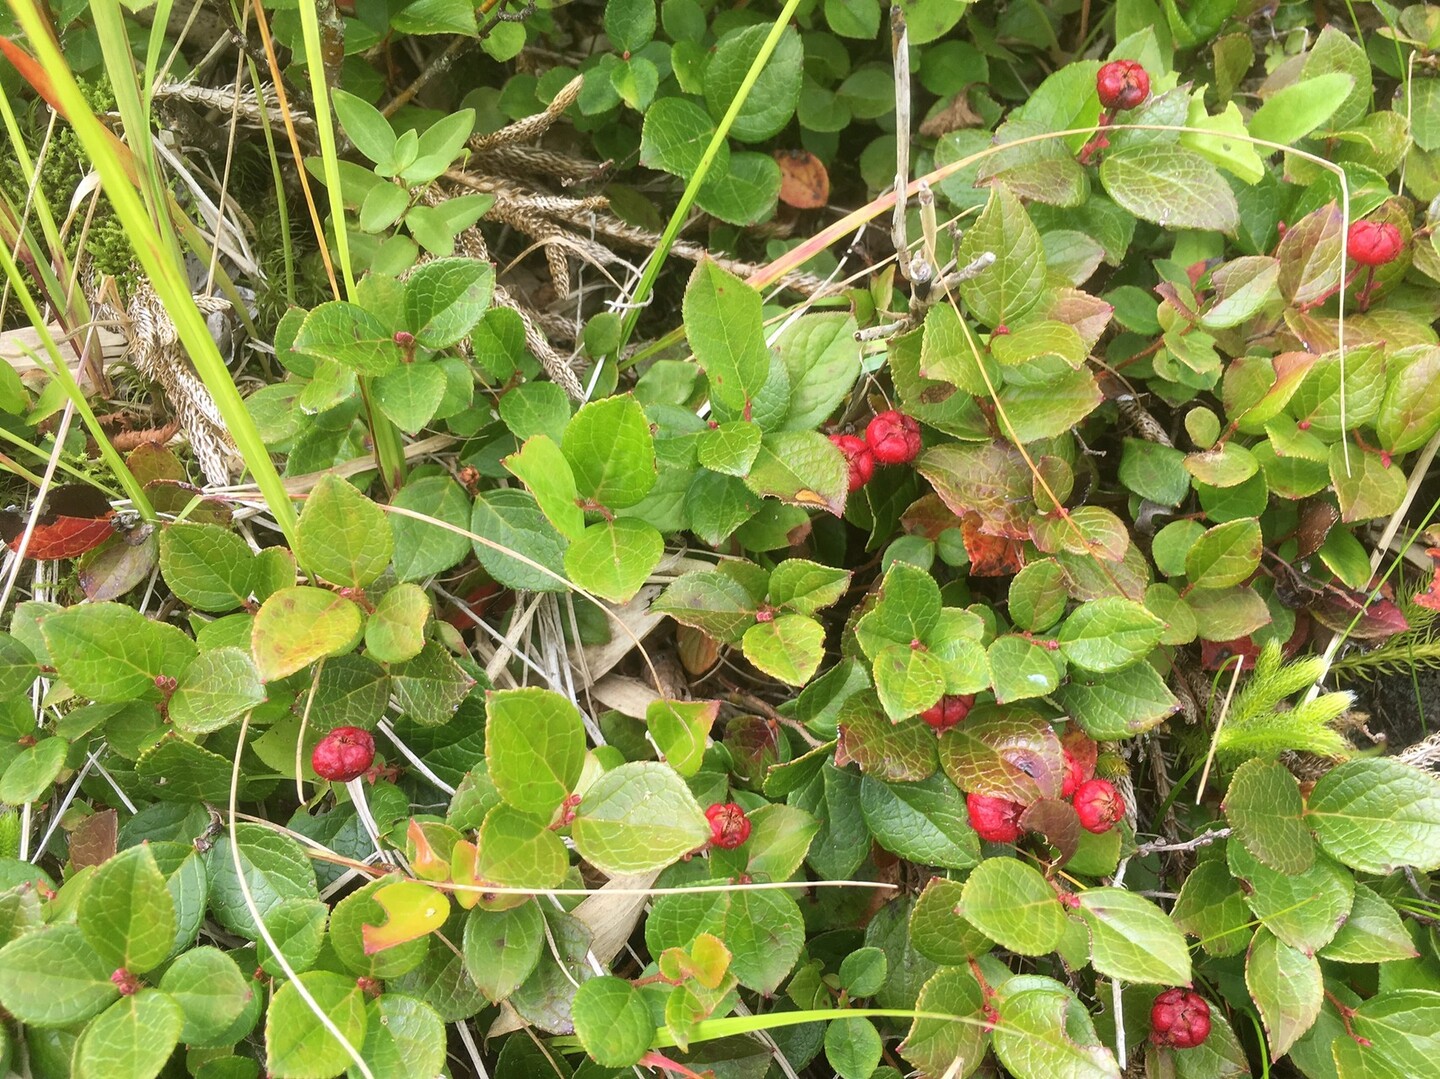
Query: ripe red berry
948, 710
729, 826
994, 819
894, 438
1074, 775
1122, 84
1099, 805
1374, 243
1179, 1019
858, 457
344, 754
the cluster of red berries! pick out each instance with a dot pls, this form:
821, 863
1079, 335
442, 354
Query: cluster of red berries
1179, 1019
344, 754
891, 438
1097, 803
729, 826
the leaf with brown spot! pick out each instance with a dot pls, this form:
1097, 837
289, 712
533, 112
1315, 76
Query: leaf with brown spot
804, 182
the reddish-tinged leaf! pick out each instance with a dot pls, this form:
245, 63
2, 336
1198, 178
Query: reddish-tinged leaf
1057, 821
804, 183
413, 910
1431, 596
75, 519
1337, 608
991, 480
991, 556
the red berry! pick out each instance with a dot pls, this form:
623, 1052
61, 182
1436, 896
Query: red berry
894, 438
344, 754
858, 457
1074, 775
994, 819
1179, 1019
1122, 84
729, 827
1098, 805
1374, 243
948, 710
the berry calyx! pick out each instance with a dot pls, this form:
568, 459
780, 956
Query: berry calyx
1374, 243
1179, 1019
128, 984
894, 438
344, 754
996, 820
1098, 805
858, 458
1122, 84
729, 826
948, 710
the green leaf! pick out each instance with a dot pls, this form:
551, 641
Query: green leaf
126, 912
764, 931
445, 298
1012, 284
134, 1037
923, 822
1043, 1031
543, 468
1286, 986
352, 936
534, 748
536, 408
611, 452
638, 817
411, 394
1410, 413
1366, 487
366, 125
1109, 634
110, 652
33, 770
210, 990
772, 99
512, 520
1132, 939
1110, 707
938, 932
614, 558
51, 977
907, 680
1013, 905
1170, 186
630, 24
802, 468
933, 1045
502, 947
612, 1021
674, 137
1022, 668
275, 868
218, 687
18, 669
724, 326
430, 687
1373, 933
518, 850
1225, 555
1212, 908
1294, 111
822, 357
710, 601
395, 631
343, 536
1374, 815
806, 586
729, 448
788, 647
681, 731
208, 567
404, 1037
297, 626
853, 1047
1266, 813
297, 1045
350, 336
1302, 909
